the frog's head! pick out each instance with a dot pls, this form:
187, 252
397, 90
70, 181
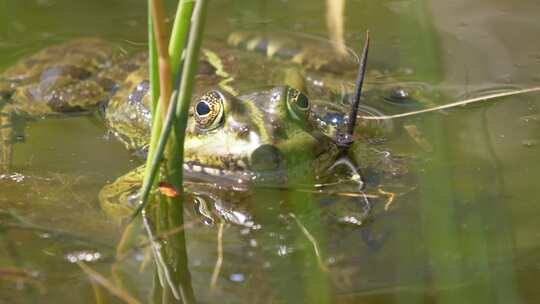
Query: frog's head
254, 135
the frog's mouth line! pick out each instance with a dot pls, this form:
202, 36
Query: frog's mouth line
206, 173
237, 179
241, 180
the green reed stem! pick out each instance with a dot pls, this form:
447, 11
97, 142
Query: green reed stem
154, 161
170, 212
152, 65
161, 37
159, 136
186, 88
175, 150
176, 248
154, 106
179, 34
158, 139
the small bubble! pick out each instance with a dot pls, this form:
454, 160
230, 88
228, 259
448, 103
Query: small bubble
237, 277
86, 256
139, 257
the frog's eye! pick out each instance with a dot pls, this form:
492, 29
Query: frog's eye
209, 111
298, 102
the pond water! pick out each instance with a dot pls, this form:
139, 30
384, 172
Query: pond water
462, 229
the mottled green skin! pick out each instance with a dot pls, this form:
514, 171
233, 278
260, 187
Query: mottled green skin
74, 76
261, 137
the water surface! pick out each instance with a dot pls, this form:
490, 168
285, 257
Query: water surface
464, 230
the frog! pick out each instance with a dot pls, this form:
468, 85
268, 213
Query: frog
235, 135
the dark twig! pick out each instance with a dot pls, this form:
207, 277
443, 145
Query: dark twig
346, 139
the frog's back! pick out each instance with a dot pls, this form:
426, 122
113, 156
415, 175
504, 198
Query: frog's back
127, 112
79, 75
69, 77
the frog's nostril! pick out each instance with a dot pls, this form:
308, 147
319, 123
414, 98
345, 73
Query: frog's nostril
266, 157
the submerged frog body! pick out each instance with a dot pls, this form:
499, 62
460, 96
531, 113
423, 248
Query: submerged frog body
71, 77
235, 135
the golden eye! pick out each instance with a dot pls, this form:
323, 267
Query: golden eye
298, 102
209, 111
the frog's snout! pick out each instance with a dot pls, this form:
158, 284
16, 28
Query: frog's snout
266, 157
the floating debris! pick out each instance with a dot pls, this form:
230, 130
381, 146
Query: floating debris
529, 118
168, 189
16, 177
529, 143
